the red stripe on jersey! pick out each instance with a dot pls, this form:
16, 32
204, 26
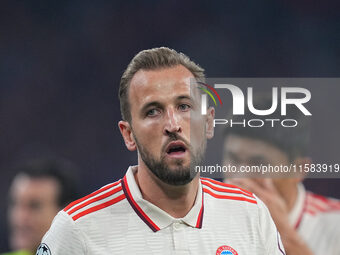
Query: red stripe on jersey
317, 207
310, 212
319, 203
335, 207
226, 190
136, 207
91, 195
328, 204
229, 197
199, 222
319, 197
105, 195
98, 207
227, 185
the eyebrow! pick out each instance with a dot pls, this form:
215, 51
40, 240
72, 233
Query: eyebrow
255, 158
184, 97
258, 159
232, 155
158, 104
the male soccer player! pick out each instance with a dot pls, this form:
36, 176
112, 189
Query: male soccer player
161, 206
39, 190
308, 223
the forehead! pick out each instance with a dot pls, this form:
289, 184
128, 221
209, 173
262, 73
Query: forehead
39, 187
165, 83
246, 147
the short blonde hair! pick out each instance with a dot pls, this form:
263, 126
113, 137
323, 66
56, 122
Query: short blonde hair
153, 59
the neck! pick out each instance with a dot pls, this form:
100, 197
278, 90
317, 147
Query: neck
290, 196
175, 200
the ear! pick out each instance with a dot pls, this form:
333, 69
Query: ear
301, 161
126, 131
210, 122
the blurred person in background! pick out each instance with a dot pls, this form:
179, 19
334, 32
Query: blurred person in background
38, 191
308, 223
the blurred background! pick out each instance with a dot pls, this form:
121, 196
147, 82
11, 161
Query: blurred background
61, 62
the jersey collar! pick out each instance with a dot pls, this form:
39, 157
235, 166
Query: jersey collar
295, 215
153, 216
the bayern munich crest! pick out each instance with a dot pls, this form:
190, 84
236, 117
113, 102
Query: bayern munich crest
226, 250
43, 250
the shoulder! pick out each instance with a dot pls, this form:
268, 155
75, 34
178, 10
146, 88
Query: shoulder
69, 229
317, 205
320, 223
63, 236
238, 202
321, 212
96, 202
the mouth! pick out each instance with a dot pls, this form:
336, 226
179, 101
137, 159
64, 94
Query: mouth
176, 149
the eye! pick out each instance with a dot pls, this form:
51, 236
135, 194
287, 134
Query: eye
153, 112
184, 107
35, 205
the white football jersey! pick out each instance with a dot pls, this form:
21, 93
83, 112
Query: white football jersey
317, 220
116, 219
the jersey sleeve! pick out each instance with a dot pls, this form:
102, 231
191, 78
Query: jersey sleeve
270, 236
63, 237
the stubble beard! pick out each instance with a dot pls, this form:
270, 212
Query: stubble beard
180, 174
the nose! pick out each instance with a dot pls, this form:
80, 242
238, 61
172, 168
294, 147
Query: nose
172, 122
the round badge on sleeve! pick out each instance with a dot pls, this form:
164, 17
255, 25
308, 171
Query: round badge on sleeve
226, 250
43, 250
